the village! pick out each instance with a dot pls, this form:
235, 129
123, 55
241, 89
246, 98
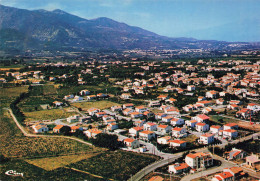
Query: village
159, 108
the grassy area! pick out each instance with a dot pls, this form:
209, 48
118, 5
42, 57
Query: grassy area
7, 95
32, 172
117, 165
72, 90
190, 138
216, 118
51, 114
98, 104
52, 163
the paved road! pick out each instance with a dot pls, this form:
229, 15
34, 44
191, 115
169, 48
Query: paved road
49, 136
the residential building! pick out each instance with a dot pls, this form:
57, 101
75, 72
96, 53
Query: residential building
164, 128
202, 127
135, 131
150, 126
92, 133
177, 121
147, 135
177, 143
179, 132
206, 139
179, 168
199, 160
163, 140
131, 143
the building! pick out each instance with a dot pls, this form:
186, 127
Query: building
230, 126
178, 168
147, 135
135, 131
150, 126
73, 119
253, 161
179, 132
191, 123
229, 174
92, 133
234, 154
230, 133
131, 143
199, 160
177, 143
163, 140
201, 118
58, 128
206, 139
177, 121
215, 129
202, 127
164, 128
40, 128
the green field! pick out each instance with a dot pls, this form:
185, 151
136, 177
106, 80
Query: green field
118, 165
7, 95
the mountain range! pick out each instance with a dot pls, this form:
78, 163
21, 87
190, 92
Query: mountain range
22, 29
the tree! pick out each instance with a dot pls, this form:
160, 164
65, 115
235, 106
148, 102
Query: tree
107, 141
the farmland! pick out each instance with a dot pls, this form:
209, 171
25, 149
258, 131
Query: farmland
108, 164
99, 104
7, 95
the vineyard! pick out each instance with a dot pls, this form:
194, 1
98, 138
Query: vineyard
117, 165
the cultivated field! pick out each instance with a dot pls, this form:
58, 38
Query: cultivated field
96, 104
7, 95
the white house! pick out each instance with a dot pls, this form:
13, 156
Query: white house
202, 127
191, 88
253, 107
163, 140
167, 119
179, 132
77, 98
128, 111
40, 128
164, 128
84, 92
191, 123
116, 108
178, 168
147, 135
230, 126
141, 109
135, 131
211, 94
150, 126
199, 160
201, 118
206, 139
177, 121
215, 129
92, 133
177, 143
125, 96
131, 143
112, 126
73, 119
136, 115
230, 133
93, 111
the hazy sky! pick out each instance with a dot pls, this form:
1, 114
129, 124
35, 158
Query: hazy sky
203, 19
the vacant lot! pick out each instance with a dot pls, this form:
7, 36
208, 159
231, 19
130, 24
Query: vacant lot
7, 95
52, 163
117, 165
51, 114
97, 104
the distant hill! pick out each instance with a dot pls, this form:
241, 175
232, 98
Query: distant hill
40, 29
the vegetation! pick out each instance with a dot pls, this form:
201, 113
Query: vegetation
117, 165
107, 141
98, 104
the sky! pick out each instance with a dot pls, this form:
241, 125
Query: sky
228, 20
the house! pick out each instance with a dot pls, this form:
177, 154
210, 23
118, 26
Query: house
188, 108
139, 123
201, 98
202, 127
191, 88
233, 107
100, 114
161, 115
77, 98
112, 126
253, 107
128, 111
230, 133
167, 119
75, 128
206, 110
156, 178
58, 103
234, 154
125, 106
172, 110
135, 131
201, 118
101, 95
125, 96
253, 161
40, 128
245, 113
191, 123
223, 176
141, 109
162, 97
211, 94
67, 97
148, 114
206, 139
93, 111
178, 168
92, 133
215, 129
237, 172
154, 103
116, 108
58, 129
147, 135
170, 101
91, 97
179, 132
131, 143
230, 126
109, 121
73, 119
164, 128
136, 115
199, 160
177, 121
220, 101
150, 126
177, 143
204, 103
237, 102
84, 92
163, 140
